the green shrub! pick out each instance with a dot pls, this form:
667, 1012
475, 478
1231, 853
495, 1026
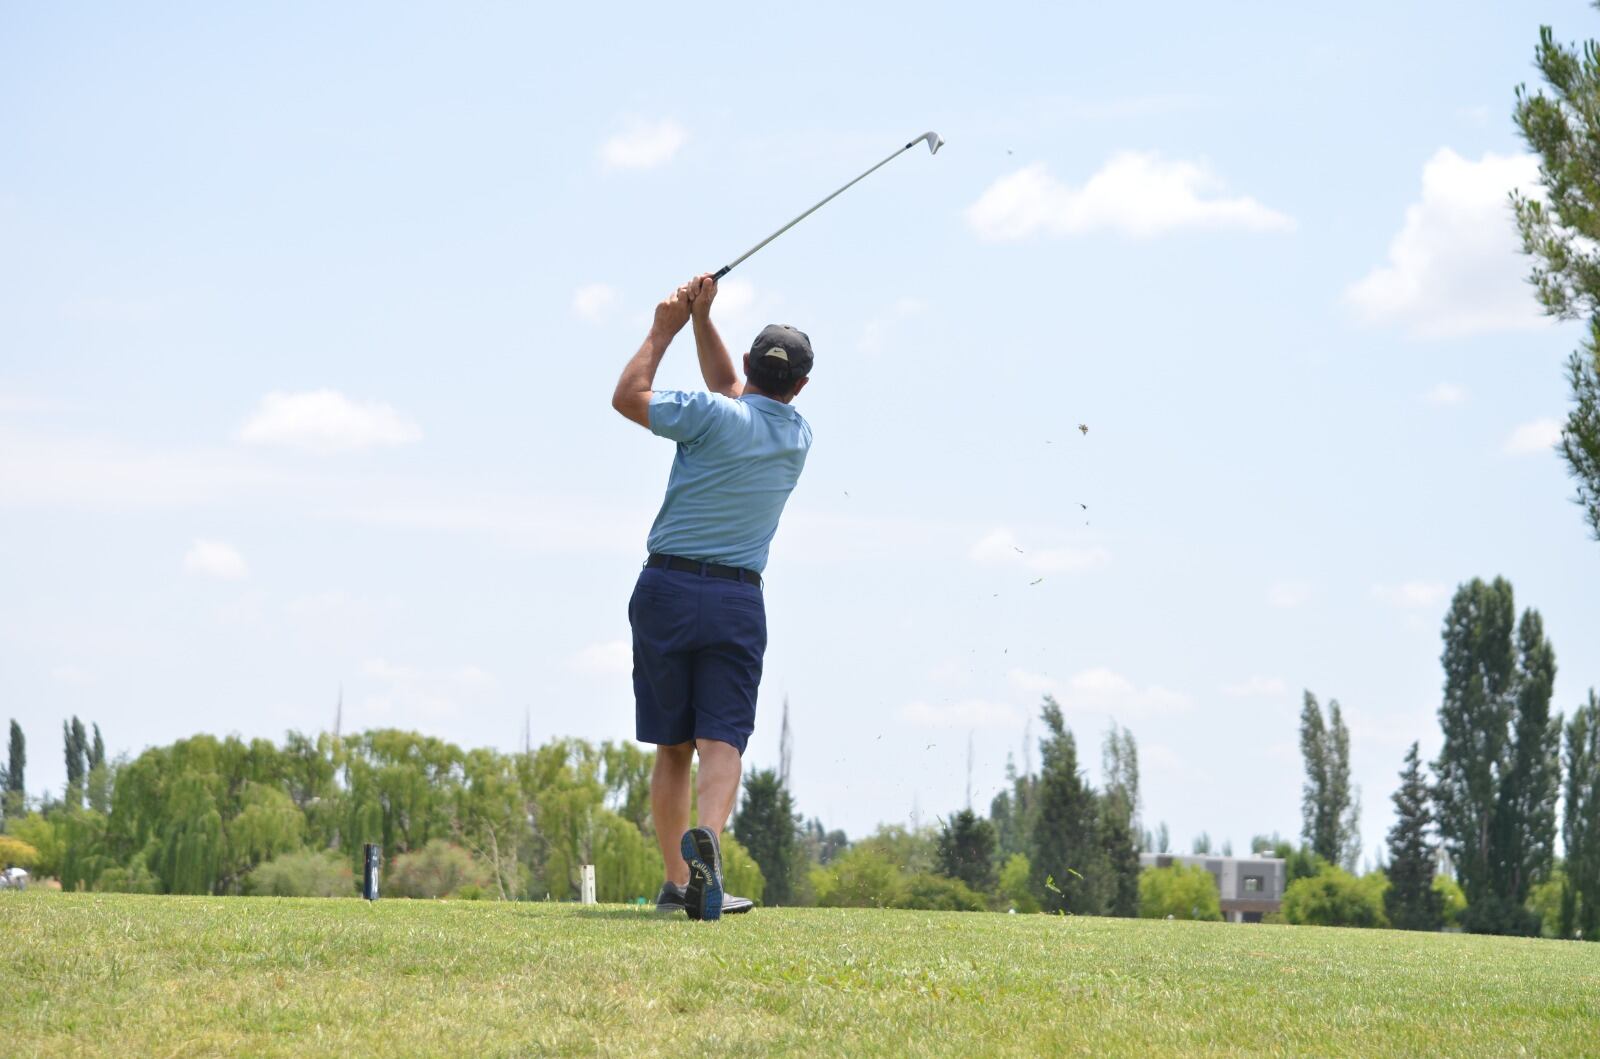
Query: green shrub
1015, 890
861, 877
741, 875
304, 873
938, 893
1180, 892
438, 869
1455, 899
136, 878
1334, 898
16, 853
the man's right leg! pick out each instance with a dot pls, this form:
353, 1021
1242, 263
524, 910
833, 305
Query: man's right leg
669, 806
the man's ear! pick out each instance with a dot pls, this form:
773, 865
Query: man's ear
800, 385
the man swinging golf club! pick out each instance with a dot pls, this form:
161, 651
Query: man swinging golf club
698, 615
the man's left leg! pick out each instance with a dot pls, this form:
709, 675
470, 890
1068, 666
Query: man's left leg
718, 786
669, 806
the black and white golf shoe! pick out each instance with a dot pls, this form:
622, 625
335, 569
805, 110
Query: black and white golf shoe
670, 900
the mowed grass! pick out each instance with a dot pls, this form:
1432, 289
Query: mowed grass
86, 974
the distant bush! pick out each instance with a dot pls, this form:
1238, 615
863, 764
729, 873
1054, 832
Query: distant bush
1015, 890
136, 878
1179, 892
741, 875
1334, 898
862, 877
937, 893
16, 853
1455, 899
304, 873
438, 869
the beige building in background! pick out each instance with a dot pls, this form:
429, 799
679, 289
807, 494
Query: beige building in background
1249, 887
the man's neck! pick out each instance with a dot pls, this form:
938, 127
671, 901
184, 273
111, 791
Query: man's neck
752, 390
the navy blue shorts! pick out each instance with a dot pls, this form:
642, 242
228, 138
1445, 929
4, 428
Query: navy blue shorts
697, 648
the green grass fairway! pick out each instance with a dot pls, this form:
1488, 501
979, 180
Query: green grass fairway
122, 975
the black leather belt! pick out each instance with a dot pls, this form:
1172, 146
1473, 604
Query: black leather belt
693, 566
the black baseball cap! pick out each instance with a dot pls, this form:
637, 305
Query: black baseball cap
783, 352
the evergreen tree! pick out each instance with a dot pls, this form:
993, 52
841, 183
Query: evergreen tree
1411, 901
97, 751
966, 851
1497, 773
1562, 233
1330, 811
1580, 903
77, 754
15, 795
766, 827
1012, 812
1064, 856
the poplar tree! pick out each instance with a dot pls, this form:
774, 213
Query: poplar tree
1411, 901
1119, 820
1498, 773
15, 795
1329, 809
1580, 833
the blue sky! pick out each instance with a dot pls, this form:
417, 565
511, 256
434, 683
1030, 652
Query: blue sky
309, 319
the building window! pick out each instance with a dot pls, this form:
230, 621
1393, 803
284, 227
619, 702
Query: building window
1253, 884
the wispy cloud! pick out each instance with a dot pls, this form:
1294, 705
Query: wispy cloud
592, 300
1446, 393
643, 144
1256, 687
326, 420
405, 694
1541, 435
1102, 692
612, 658
879, 330
1454, 268
1000, 547
1135, 193
1411, 595
215, 559
967, 713
1287, 595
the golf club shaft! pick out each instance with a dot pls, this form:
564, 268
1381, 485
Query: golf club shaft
730, 266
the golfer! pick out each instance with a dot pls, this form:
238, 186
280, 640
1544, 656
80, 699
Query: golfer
699, 619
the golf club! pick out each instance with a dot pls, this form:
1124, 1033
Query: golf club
932, 139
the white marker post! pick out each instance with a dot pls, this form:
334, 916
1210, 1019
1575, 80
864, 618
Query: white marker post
588, 884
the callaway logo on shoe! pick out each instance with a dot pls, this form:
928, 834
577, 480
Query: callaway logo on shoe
702, 898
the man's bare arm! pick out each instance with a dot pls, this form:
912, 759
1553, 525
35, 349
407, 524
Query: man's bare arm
716, 366
632, 395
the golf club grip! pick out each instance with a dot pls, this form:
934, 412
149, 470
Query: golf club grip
723, 271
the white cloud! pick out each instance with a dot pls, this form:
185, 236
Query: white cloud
592, 300
1455, 268
1412, 595
967, 713
326, 420
215, 559
1256, 687
1101, 691
1446, 393
1541, 435
881, 328
405, 694
1286, 595
611, 658
1001, 547
1135, 193
643, 145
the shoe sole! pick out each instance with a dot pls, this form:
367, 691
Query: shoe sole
702, 899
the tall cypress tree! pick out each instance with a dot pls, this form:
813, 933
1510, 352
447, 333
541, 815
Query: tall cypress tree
1497, 777
767, 827
1065, 859
1580, 833
16, 765
72, 740
1411, 900
97, 751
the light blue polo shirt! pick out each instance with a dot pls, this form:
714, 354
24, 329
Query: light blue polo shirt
737, 463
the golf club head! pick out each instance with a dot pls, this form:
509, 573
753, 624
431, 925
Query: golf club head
933, 139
